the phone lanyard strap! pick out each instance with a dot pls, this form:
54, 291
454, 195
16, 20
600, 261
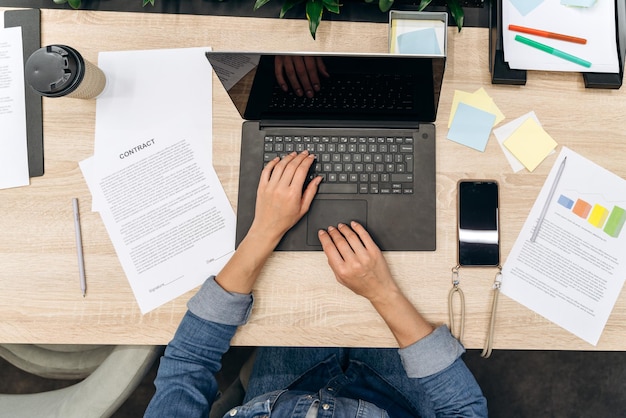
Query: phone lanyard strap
456, 289
497, 282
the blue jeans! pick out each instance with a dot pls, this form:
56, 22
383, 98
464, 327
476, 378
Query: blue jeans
372, 374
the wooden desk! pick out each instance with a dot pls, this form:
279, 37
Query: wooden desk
298, 301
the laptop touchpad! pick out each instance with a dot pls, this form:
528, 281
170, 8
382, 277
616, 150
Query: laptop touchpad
325, 213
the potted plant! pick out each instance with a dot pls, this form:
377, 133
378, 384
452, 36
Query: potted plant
314, 9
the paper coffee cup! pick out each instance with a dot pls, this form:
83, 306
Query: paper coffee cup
60, 71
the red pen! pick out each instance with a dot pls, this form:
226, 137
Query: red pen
547, 34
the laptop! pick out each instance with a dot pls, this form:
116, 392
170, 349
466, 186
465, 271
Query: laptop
370, 126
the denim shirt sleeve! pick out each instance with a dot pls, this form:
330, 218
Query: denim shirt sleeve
436, 361
185, 382
212, 303
431, 354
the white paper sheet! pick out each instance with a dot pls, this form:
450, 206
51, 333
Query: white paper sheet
596, 24
148, 91
574, 271
167, 215
151, 176
13, 144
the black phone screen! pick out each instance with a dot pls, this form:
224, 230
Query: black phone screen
479, 237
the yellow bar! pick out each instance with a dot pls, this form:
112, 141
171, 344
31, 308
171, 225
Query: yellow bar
598, 216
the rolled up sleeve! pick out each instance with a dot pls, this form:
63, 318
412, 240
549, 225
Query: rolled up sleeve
431, 354
215, 304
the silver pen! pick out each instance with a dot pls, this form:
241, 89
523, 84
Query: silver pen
550, 196
79, 247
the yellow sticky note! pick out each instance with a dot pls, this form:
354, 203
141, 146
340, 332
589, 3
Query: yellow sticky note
530, 144
489, 105
459, 96
479, 99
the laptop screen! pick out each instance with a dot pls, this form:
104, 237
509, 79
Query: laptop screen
306, 86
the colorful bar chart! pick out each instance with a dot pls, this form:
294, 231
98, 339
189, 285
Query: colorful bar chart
611, 221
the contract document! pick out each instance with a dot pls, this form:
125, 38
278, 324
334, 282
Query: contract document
168, 218
573, 272
151, 176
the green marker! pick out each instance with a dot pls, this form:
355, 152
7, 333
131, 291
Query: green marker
552, 51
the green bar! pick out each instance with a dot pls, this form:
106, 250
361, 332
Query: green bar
616, 221
552, 51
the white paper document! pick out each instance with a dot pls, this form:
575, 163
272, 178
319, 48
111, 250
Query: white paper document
151, 176
574, 271
13, 144
148, 91
168, 217
596, 24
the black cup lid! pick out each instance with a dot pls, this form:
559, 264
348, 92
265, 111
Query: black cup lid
54, 70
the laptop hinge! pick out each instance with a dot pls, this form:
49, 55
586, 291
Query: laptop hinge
339, 124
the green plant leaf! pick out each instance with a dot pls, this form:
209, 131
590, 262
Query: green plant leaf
145, 2
287, 4
74, 3
332, 6
423, 5
314, 9
385, 5
259, 3
457, 13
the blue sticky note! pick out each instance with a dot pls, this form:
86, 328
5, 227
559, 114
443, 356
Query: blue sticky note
526, 6
423, 41
471, 127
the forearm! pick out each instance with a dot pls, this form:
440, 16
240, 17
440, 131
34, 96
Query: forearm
433, 357
280, 204
242, 270
405, 322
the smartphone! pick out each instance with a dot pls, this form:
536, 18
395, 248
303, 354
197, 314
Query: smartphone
478, 223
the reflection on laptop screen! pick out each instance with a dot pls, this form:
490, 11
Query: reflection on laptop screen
351, 87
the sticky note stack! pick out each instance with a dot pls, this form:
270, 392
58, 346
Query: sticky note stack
472, 117
524, 142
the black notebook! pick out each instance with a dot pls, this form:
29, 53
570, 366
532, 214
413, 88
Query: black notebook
29, 20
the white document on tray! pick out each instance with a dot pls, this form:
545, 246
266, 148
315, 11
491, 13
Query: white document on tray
596, 24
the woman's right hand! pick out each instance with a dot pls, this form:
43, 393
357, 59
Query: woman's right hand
357, 261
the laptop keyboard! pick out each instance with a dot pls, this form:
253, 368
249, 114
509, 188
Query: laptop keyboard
352, 164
